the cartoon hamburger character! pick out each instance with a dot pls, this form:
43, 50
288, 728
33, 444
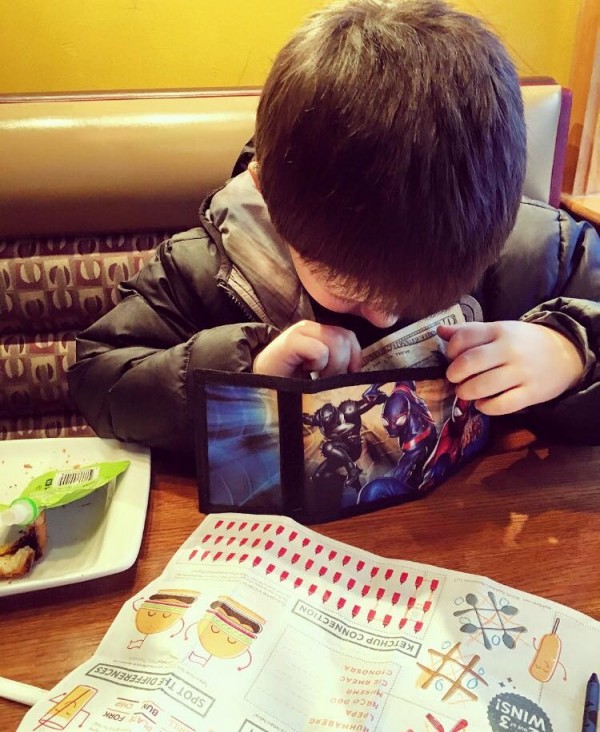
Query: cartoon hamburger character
160, 612
227, 630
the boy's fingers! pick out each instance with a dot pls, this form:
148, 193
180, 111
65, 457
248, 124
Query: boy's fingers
475, 361
488, 384
343, 348
310, 346
355, 358
355, 361
465, 336
309, 353
342, 354
506, 403
446, 332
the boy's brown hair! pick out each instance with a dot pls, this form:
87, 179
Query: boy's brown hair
391, 148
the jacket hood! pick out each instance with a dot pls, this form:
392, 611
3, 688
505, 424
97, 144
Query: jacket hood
257, 266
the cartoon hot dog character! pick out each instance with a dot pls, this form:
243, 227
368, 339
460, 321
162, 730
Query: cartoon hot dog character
547, 655
227, 630
161, 612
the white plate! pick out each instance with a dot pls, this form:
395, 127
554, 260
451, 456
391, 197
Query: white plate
87, 538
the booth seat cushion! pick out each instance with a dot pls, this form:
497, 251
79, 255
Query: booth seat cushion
547, 108
50, 289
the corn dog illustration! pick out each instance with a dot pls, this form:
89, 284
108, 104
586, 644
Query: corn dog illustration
547, 655
67, 707
161, 612
227, 630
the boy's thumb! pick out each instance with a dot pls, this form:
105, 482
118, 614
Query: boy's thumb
446, 332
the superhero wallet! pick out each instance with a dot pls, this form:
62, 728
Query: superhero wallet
333, 447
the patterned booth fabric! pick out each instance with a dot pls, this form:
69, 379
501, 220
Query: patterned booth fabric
50, 289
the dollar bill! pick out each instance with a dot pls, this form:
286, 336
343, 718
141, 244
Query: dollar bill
418, 345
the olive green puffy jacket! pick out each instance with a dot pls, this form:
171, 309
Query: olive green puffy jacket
213, 296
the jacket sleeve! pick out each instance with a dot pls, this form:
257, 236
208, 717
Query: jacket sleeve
570, 275
131, 379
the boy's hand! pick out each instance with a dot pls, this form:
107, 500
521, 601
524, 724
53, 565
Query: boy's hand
306, 347
509, 365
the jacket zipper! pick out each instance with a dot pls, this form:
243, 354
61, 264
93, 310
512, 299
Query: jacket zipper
240, 304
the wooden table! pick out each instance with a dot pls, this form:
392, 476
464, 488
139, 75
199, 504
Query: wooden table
526, 514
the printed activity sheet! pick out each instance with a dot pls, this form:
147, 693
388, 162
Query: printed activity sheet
259, 624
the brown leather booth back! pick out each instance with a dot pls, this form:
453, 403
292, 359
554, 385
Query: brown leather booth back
144, 161
112, 163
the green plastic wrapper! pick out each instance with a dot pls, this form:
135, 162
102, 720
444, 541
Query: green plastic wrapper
59, 487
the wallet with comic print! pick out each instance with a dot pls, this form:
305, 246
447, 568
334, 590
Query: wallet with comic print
332, 447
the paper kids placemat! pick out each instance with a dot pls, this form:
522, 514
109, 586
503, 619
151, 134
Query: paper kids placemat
258, 624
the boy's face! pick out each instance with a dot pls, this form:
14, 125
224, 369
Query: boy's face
331, 295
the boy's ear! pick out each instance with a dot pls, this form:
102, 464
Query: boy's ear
253, 169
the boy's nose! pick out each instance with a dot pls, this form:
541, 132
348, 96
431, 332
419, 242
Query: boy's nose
376, 317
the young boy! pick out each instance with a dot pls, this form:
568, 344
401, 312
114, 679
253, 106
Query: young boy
390, 155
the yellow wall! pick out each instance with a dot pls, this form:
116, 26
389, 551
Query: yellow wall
70, 45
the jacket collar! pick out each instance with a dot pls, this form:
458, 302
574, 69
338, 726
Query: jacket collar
257, 267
